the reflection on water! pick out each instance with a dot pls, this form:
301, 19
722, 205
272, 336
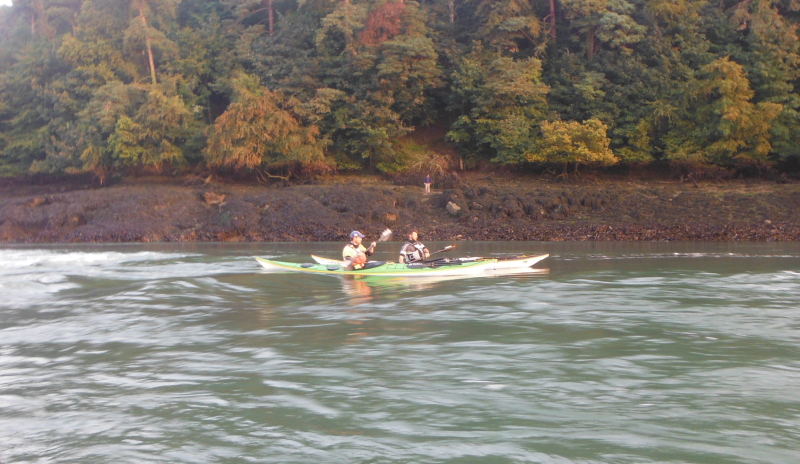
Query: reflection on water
357, 289
360, 288
617, 353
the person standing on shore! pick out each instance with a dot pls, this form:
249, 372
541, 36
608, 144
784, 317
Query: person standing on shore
428, 183
413, 250
354, 254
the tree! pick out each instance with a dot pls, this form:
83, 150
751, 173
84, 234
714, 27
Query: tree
141, 35
501, 102
406, 67
154, 134
719, 123
739, 129
383, 61
772, 62
257, 131
575, 143
29, 107
98, 122
608, 22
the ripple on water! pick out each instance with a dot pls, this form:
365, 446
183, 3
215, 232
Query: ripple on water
612, 357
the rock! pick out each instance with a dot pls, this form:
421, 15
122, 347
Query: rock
39, 201
453, 209
511, 207
212, 198
390, 218
450, 195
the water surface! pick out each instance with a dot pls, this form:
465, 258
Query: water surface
185, 353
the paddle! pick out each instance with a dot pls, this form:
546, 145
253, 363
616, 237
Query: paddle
447, 248
385, 235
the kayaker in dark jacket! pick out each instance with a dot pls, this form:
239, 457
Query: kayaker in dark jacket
413, 250
354, 254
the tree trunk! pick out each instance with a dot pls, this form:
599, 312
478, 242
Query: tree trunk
553, 19
147, 42
590, 42
452, 6
271, 13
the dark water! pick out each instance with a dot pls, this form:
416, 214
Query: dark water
620, 353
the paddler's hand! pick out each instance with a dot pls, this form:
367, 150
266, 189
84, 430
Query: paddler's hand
373, 245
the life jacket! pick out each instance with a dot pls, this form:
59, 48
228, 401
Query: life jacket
351, 253
412, 251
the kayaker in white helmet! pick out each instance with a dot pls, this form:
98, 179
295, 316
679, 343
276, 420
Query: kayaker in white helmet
413, 250
354, 254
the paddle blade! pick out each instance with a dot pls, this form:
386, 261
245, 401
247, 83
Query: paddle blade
385, 235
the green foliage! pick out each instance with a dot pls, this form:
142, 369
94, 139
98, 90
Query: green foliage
407, 155
385, 67
722, 125
258, 131
501, 102
159, 127
407, 70
604, 23
504, 25
106, 85
566, 143
30, 106
774, 68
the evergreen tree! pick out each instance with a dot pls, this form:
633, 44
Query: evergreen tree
501, 102
574, 143
259, 130
106, 86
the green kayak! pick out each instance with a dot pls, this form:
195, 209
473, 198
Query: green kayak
440, 267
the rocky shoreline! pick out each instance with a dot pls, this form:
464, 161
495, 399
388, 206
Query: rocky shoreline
481, 207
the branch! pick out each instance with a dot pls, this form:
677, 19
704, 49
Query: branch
264, 175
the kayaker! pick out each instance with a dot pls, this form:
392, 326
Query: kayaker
354, 253
413, 250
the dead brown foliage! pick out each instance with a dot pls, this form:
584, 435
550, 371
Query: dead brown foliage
383, 23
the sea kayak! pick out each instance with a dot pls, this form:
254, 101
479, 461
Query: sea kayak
440, 267
510, 262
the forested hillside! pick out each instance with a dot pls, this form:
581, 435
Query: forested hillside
104, 86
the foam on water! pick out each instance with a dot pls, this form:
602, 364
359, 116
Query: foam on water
13, 259
32, 275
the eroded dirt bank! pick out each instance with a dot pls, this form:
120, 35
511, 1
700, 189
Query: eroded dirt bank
491, 208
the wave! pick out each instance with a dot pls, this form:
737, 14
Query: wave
15, 259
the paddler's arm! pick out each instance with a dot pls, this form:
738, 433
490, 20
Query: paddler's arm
371, 248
